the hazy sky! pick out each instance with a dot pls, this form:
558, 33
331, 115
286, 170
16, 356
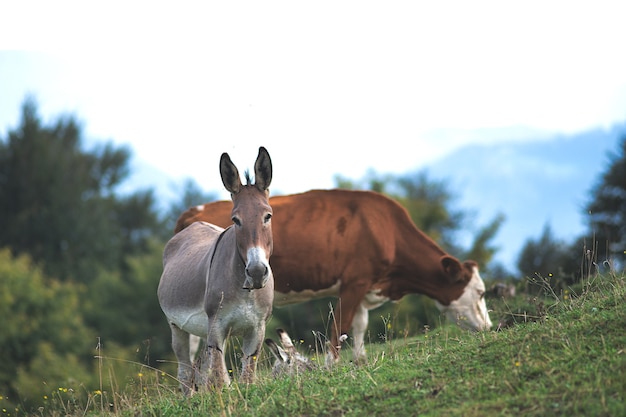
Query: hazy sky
328, 87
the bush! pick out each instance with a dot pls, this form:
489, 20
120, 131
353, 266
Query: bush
43, 319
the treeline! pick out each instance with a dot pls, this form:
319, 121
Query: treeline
602, 248
80, 261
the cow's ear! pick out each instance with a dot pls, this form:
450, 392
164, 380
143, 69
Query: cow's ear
452, 268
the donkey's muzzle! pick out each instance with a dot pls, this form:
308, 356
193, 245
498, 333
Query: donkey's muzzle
257, 269
256, 277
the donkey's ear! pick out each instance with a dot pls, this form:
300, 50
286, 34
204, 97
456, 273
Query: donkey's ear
230, 174
263, 170
277, 351
285, 340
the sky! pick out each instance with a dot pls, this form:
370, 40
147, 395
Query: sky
327, 87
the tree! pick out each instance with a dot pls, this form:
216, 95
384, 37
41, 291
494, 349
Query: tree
541, 256
607, 208
58, 202
548, 260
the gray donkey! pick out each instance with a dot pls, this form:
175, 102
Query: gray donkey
217, 282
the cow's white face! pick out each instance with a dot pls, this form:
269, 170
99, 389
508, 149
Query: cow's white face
469, 311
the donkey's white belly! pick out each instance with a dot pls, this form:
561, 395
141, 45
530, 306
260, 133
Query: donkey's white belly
191, 321
240, 318
236, 317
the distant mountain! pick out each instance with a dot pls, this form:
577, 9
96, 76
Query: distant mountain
531, 182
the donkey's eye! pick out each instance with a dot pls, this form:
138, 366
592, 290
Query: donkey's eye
481, 294
236, 221
268, 217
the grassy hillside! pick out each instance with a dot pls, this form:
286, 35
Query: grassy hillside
566, 358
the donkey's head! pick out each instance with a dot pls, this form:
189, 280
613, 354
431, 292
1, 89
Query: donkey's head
252, 217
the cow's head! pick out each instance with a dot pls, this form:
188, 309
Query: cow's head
469, 310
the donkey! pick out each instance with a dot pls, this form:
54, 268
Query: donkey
288, 360
217, 282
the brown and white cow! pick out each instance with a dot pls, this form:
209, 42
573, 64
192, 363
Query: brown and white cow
362, 247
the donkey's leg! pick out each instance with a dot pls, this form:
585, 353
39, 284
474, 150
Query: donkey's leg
252, 343
180, 346
200, 360
218, 374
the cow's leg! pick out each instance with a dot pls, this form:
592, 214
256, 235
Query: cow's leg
359, 326
180, 346
350, 298
251, 348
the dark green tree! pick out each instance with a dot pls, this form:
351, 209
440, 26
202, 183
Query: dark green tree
58, 201
607, 210
541, 256
549, 261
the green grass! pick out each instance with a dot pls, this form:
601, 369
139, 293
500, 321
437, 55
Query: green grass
569, 359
